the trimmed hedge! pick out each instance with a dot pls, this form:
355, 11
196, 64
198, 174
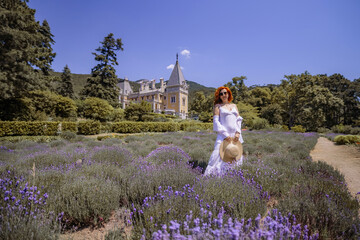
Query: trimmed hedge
137, 127
23, 128
89, 127
20, 128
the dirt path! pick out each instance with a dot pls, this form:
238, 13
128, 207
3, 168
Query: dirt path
344, 158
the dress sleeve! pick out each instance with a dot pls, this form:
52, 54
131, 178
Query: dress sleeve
238, 124
218, 127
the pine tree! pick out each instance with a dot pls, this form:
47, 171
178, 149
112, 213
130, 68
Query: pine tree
103, 80
46, 55
66, 88
25, 46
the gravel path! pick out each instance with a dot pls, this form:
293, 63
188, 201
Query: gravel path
344, 158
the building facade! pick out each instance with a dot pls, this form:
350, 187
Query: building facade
170, 97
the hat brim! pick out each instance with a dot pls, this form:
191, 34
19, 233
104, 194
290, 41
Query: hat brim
227, 158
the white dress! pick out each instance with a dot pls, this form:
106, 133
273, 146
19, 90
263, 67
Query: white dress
226, 124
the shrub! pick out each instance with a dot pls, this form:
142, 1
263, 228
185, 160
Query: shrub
68, 135
346, 129
51, 104
118, 115
347, 139
89, 127
136, 111
86, 200
259, 123
298, 128
323, 130
19, 128
97, 109
167, 153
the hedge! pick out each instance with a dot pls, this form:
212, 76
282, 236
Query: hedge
20, 128
23, 128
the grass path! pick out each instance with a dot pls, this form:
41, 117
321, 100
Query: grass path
344, 158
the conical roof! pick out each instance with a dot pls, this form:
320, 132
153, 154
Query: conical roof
176, 77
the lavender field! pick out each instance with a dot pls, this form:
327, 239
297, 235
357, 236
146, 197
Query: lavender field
278, 193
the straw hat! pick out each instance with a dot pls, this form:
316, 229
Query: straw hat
231, 151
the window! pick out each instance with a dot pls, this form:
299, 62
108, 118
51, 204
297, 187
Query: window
184, 101
173, 99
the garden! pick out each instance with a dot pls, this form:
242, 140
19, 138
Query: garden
72, 182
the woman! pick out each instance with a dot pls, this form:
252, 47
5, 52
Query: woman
227, 123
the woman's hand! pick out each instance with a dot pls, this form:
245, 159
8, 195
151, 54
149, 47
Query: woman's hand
236, 138
228, 139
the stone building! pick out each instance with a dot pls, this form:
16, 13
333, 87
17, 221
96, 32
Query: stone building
170, 97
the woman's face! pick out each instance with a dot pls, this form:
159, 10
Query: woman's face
224, 95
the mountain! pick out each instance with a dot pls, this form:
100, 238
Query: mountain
79, 81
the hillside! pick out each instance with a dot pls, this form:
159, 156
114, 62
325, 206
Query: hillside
79, 80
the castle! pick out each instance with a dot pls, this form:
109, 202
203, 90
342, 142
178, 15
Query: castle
170, 97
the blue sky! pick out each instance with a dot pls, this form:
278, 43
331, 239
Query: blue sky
216, 40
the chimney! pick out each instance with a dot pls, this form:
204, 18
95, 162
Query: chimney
161, 84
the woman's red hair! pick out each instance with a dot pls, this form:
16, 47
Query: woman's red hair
217, 95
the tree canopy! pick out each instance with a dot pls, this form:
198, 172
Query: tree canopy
103, 81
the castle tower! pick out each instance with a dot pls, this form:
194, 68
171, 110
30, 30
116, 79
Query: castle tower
177, 92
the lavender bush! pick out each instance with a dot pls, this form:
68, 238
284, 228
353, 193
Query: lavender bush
87, 179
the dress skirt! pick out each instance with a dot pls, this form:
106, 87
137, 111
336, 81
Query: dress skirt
216, 166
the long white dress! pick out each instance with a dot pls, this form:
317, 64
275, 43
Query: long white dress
226, 124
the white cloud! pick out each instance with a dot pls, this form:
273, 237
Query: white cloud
185, 53
171, 66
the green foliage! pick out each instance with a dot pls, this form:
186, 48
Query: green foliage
118, 115
202, 105
25, 48
206, 117
273, 113
136, 111
51, 104
85, 201
20, 128
97, 109
138, 127
89, 127
69, 126
347, 139
259, 97
345, 129
238, 88
247, 112
103, 81
298, 128
258, 123
66, 86
68, 135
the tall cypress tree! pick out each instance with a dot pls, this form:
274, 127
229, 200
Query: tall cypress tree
103, 80
25, 46
66, 88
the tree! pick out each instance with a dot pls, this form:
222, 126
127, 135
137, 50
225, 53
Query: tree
347, 91
46, 54
136, 111
273, 113
97, 109
103, 80
40, 105
259, 97
238, 89
24, 45
66, 87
